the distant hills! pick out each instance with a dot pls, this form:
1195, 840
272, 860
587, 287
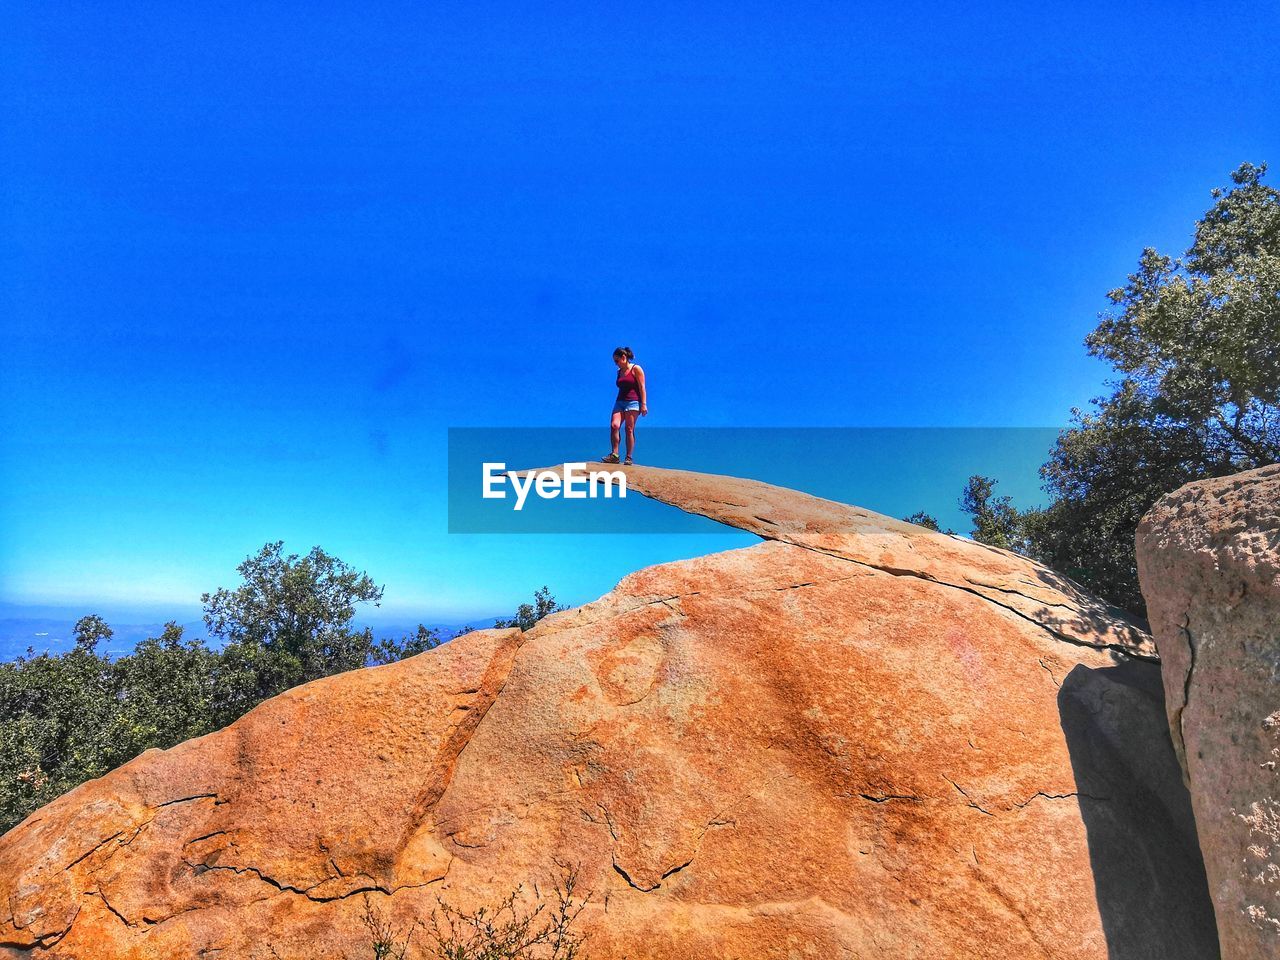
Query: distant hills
55, 634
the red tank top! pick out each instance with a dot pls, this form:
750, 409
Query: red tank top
628, 389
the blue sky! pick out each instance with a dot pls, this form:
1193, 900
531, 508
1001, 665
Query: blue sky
256, 259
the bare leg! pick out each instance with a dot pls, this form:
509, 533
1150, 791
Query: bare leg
615, 427
631, 432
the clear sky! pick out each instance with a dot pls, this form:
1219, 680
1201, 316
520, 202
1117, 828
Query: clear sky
255, 259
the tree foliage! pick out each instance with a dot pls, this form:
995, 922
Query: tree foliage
1195, 342
389, 651
297, 611
527, 614
927, 520
996, 522
71, 717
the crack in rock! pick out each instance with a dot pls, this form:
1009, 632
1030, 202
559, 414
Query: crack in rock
1180, 732
969, 799
92, 850
627, 877
1040, 794
201, 868
195, 796
101, 895
719, 820
928, 578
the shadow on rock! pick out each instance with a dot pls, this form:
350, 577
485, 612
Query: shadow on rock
1148, 872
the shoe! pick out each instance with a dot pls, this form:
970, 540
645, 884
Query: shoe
611, 458
627, 462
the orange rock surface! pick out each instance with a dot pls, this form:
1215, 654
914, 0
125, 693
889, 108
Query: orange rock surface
858, 739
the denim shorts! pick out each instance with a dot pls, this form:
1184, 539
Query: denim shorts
626, 406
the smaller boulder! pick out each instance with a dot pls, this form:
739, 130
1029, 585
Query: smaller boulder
1209, 563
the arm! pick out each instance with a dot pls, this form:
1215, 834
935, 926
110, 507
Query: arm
640, 389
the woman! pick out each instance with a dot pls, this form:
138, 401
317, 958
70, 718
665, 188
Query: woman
631, 403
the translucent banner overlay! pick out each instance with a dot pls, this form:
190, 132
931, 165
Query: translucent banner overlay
896, 471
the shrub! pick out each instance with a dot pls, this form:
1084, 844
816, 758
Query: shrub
516, 929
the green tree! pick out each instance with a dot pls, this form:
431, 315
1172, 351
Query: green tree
996, 522
527, 614
90, 631
927, 520
57, 722
291, 617
167, 693
389, 651
1195, 342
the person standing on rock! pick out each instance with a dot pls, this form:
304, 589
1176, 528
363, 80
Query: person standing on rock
631, 403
